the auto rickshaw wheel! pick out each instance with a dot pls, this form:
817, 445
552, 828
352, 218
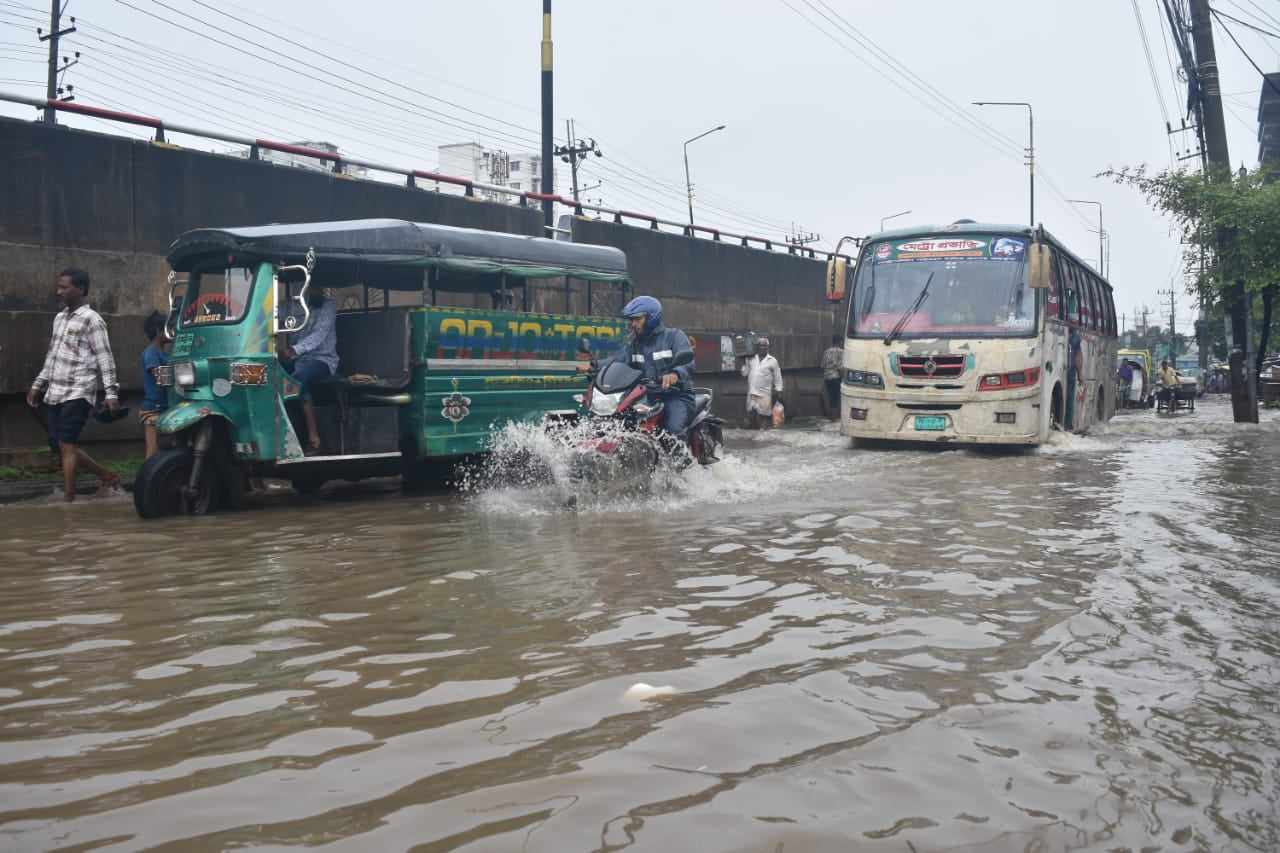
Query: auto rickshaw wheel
160, 486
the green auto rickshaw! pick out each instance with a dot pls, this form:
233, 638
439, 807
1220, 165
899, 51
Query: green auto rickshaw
444, 335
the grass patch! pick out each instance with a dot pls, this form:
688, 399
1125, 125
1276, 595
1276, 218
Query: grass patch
125, 467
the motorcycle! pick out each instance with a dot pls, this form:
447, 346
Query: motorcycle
625, 443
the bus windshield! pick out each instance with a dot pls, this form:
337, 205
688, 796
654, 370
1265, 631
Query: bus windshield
977, 287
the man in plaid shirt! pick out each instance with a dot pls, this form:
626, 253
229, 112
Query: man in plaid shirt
79, 361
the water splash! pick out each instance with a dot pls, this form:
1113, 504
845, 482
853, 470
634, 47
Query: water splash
531, 470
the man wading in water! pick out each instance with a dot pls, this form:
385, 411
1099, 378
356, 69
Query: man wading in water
78, 362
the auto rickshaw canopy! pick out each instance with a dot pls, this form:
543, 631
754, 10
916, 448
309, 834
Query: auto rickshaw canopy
395, 254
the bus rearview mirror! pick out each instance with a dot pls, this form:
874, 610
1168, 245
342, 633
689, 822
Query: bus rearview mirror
837, 275
1038, 265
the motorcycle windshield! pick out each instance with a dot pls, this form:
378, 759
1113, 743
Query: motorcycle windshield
617, 376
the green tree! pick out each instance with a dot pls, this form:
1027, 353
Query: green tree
1211, 206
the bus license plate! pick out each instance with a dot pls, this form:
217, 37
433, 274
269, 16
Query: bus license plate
930, 422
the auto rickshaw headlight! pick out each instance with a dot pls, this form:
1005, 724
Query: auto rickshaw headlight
248, 373
184, 374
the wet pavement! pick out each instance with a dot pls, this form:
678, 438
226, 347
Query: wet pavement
1071, 648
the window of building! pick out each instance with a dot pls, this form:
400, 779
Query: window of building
515, 185
515, 165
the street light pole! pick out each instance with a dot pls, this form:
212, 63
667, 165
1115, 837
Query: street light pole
885, 219
1102, 267
1031, 144
688, 184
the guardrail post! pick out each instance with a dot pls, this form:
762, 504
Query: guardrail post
653, 225
715, 235
617, 218
469, 191
159, 133
254, 153
411, 183
337, 167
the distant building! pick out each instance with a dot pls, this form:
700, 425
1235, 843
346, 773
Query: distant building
288, 158
1269, 122
520, 171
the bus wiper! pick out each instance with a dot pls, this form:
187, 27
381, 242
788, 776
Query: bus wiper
897, 329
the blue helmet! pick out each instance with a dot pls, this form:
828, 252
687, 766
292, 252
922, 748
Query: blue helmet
650, 307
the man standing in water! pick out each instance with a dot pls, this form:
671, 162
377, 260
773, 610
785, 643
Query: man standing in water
832, 368
764, 385
78, 363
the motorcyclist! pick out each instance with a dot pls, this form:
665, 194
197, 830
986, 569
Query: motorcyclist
651, 349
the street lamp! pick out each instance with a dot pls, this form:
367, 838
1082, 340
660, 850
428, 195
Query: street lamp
1102, 270
1031, 144
885, 219
688, 185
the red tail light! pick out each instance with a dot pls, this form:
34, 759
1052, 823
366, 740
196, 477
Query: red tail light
1012, 379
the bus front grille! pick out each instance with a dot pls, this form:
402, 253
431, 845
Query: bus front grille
931, 367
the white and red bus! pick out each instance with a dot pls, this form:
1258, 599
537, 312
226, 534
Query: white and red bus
974, 333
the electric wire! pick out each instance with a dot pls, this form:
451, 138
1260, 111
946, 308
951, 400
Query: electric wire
1012, 150
1245, 23
488, 132
1267, 80
1155, 77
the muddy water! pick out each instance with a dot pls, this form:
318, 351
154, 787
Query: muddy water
867, 650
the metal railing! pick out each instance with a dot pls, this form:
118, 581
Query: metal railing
412, 176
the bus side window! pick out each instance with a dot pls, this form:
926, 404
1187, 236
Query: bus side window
1053, 310
1073, 295
1100, 295
1091, 292
1111, 313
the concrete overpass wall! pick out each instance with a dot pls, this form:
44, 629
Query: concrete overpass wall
112, 205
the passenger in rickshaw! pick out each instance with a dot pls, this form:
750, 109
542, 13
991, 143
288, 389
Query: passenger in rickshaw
312, 356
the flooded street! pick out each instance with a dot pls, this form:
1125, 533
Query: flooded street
1072, 648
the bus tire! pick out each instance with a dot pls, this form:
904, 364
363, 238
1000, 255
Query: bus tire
1055, 409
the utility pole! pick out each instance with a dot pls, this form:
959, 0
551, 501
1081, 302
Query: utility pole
55, 32
1244, 391
1172, 293
574, 153
548, 171
800, 238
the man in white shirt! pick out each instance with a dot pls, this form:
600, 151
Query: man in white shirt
764, 385
77, 365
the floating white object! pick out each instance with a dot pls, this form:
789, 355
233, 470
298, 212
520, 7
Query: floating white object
641, 692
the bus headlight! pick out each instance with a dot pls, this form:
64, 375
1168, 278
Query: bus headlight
862, 377
184, 374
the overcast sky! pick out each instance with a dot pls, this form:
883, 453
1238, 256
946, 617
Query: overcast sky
821, 131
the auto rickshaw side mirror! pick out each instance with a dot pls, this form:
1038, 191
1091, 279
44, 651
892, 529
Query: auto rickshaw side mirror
1038, 261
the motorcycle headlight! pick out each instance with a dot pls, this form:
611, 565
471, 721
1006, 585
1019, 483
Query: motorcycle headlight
184, 373
605, 404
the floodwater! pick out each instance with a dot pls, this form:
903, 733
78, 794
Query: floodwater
1073, 648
